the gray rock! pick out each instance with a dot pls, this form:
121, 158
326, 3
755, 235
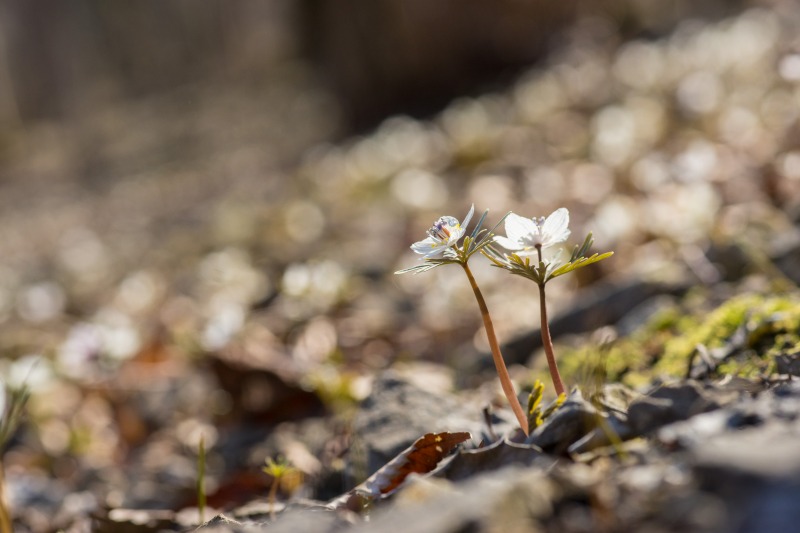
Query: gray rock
467, 463
492, 501
773, 509
396, 414
307, 521
667, 404
615, 397
570, 422
747, 454
788, 364
610, 429
221, 524
641, 314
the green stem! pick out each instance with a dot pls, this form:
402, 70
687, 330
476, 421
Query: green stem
201, 479
547, 341
502, 371
273, 493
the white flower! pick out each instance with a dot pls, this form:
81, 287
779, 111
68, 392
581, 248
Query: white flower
443, 235
526, 235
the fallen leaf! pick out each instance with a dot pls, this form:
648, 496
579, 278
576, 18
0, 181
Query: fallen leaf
420, 458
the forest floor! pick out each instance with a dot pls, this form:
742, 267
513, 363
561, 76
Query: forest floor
167, 281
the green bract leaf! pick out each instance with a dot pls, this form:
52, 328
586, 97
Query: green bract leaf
580, 263
428, 265
490, 233
11, 416
580, 251
515, 264
479, 224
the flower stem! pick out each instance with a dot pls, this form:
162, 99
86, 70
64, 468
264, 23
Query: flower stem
5, 516
547, 341
502, 371
272, 497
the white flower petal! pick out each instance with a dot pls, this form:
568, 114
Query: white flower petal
424, 247
455, 234
433, 252
554, 256
436, 252
468, 217
520, 229
444, 234
506, 243
556, 227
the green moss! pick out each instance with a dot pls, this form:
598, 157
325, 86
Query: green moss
628, 359
664, 346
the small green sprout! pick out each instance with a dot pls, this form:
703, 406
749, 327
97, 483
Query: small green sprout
201, 477
536, 416
280, 471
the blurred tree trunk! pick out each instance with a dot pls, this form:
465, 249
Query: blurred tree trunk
414, 55
59, 59
62, 58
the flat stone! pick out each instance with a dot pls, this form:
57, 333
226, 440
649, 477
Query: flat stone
570, 422
490, 501
788, 364
397, 413
667, 404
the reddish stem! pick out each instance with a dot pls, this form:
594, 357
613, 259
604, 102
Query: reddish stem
547, 341
502, 371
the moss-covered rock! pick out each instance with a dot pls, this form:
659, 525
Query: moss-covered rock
741, 337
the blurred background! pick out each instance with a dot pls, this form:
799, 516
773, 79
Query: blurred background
202, 204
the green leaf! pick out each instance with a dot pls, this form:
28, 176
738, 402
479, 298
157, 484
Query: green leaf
491, 231
479, 224
492, 255
16, 399
534, 405
580, 263
542, 270
485, 235
580, 251
416, 269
